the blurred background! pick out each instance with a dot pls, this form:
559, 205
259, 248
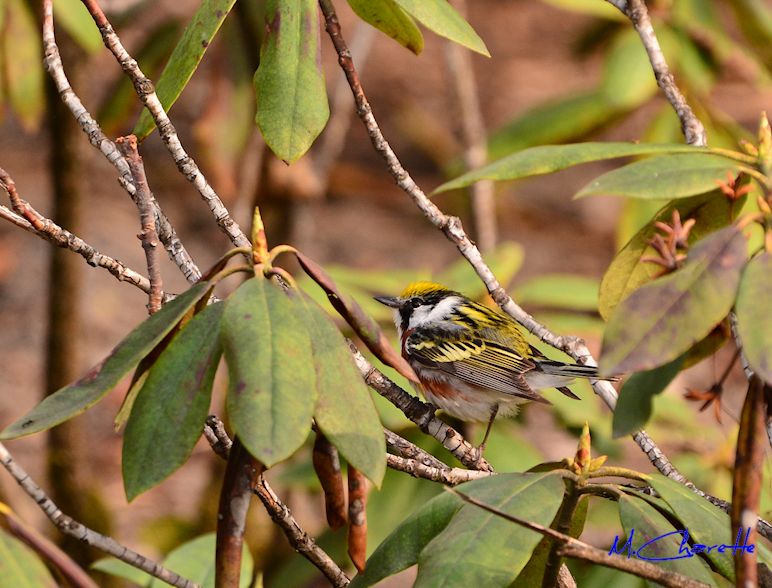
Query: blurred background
560, 71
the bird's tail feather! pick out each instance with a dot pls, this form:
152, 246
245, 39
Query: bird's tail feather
570, 370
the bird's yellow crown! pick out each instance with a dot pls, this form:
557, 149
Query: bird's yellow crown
422, 289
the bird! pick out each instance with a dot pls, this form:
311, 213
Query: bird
473, 362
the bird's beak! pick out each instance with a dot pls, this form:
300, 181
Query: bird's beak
391, 301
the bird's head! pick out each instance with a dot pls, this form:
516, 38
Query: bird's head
421, 303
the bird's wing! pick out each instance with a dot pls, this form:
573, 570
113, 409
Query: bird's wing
478, 361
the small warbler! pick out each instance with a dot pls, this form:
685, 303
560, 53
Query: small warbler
473, 362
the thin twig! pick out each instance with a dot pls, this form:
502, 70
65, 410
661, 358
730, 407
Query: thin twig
215, 434
446, 475
146, 92
148, 235
53, 64
578, 549
459, 61
421, 414
691, 127
73, 528
410, 450
33, 222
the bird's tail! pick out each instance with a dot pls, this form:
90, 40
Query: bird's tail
567, 371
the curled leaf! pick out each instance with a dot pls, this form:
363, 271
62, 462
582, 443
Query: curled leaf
327, 467
366, 328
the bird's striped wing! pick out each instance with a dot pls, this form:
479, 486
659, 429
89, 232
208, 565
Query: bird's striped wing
475, 360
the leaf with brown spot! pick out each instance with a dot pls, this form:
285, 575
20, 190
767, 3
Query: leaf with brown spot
365, 327
663, 319
169, 411
357, 518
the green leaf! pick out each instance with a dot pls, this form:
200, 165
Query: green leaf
634, 406
23, 64
628, 80
672, 176
194, 560
344, 412
663, 319
291, 96
499, 549
185, 58
550, 158
119, 568
388, 17
401, 548
558, 121
272, 388
440, 17
754, 321
707, 524
169, 412
559, 291
76, 20
628, 271
649, 523
20, 567
91, 388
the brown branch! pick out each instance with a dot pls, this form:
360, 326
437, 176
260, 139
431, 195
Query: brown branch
459, 61
421, 414
146, 92
691, 127
148, 235
239, 482
53, 64
221, 444
578, 549
29, 219
444, 475
748, 474
47, 549
75, 529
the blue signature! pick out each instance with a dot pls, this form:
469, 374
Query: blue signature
684, 549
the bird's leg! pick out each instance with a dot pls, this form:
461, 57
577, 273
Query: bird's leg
481, 448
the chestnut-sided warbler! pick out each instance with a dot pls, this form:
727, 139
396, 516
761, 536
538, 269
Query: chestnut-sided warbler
473, 362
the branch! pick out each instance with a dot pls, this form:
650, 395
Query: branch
410, 450
73, 528
215, 434
146, 92
691, 127
33, 222
53, 64
444, 475
421, 414
459, 61
148, 235
240, 479
578, 549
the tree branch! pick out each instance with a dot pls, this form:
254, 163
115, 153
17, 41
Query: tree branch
53, 64
75, 529
300, 540
33, 222
146, 92
148, 235
444, 475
